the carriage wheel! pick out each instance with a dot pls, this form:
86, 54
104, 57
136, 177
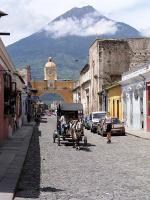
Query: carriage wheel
85, 140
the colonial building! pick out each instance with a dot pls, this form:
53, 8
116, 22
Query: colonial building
111, 100
108, 59
81, 89
20, 90
7, 93
136, 97
51, 84
25, 73
76, 92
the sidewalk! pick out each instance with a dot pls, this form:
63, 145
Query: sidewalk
138, 133
12, 156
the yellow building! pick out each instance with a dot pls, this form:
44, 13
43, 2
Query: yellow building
114, 100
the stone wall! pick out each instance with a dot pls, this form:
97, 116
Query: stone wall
110, 58
115, 58
139, 51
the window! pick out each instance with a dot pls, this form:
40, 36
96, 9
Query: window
98, 115
113, 107
116, 121
7, 93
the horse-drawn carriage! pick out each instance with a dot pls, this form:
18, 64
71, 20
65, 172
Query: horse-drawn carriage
69, 124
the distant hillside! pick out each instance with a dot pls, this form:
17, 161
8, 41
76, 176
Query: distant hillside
67, 39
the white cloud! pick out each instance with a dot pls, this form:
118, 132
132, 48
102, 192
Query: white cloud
146, 32
21, 20
81, 27
28, 16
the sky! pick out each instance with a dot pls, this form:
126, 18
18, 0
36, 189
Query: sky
28, 16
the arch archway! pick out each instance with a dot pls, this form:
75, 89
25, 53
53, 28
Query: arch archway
62, 88
49, 98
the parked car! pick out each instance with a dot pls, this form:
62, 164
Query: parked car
94, 120
87, 122
117, 127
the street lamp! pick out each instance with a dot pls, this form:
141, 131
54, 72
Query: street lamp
1, 15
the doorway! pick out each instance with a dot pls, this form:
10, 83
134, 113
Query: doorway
141, 113
148, 105
131, 109
118, 111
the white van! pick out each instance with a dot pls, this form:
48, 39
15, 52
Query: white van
94, 119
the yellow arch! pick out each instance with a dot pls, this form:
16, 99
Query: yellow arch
62, 88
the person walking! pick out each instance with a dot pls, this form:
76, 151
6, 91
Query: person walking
79, 131
62, 123
108, 122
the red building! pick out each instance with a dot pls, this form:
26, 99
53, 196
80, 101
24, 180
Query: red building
7, 93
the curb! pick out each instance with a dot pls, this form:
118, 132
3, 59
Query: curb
25, 155
137, 136
18, 146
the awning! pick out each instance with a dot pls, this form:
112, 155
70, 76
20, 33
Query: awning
71, 106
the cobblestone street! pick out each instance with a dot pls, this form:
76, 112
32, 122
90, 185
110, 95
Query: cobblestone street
118, 171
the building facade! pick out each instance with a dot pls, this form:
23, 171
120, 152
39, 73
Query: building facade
81, 91
7, 93
25, 74
51, 84
108, 59
111, 100
114, 101
135, 97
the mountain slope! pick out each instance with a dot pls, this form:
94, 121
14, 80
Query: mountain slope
67, 39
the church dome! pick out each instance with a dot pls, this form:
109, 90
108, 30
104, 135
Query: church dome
50, 63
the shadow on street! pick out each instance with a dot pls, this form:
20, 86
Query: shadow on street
29, 183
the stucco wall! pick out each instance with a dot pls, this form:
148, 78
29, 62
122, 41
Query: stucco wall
5, 65
60, 87
94, 73
114, 95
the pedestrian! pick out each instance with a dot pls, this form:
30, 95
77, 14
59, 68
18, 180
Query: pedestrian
62, 123
28, 117
108, 122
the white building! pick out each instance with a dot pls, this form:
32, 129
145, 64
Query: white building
81, 91
134, 95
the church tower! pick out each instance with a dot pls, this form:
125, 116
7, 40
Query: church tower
50, 72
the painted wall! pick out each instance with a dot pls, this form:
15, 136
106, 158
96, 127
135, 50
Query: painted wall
114, 101
134, 92
133, 114
61, 87
6, 125
135, 104
1, 105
